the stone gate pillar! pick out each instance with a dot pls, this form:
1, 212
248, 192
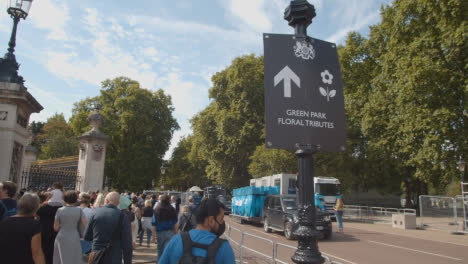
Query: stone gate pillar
16, 105
92, 155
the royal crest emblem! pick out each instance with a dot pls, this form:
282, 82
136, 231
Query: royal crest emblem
304, 50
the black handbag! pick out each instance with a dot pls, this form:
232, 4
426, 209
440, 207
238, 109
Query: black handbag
98, 256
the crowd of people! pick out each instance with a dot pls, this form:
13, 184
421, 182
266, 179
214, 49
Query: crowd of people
67, 227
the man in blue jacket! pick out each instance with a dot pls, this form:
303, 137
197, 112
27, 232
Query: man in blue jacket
101, 227
210, 225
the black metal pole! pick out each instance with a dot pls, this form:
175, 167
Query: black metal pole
299, 15
8, 65
12, 42
307, 235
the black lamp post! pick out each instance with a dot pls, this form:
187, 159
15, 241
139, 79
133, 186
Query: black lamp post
461, 167
299, 15
8, 66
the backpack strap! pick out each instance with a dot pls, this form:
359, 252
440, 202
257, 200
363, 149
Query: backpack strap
187, 244
213, 249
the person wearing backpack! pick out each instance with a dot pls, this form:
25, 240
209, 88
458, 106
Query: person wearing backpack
7, 204
186, 221
202, 244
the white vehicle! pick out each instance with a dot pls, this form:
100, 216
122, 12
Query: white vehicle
327, 189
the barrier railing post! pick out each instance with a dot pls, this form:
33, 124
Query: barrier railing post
455, 215
421, 215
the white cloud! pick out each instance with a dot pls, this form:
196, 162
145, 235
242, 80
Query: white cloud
187, 96
70, 67
362, 22
52, 16
201, 31
251, 13
50, 101
108, 60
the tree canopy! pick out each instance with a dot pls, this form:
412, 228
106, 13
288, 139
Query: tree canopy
140, 125
226, 133
405, 86
55, 138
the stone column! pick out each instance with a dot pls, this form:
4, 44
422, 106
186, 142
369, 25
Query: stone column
16, 105
92, 156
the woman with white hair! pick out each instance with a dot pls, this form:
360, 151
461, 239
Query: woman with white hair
20, 235
99, 201
46, 215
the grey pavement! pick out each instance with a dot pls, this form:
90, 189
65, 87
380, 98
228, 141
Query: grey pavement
365, 243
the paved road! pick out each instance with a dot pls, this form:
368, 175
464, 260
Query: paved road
365, 243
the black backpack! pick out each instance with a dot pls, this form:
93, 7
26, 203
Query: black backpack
211, 250
187, 223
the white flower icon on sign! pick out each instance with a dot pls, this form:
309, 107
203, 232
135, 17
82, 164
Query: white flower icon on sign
327, 77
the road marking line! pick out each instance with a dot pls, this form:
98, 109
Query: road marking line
409, 236
330, 255
415, 250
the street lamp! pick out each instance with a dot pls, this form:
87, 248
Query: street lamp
461, 167
8, 66
163, 172
299, 15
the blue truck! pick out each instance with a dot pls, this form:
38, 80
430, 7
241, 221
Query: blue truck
247, 203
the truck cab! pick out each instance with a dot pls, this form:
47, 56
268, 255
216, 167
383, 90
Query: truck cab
280, 213
327, 191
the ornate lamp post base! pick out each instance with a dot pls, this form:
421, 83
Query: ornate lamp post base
307, 251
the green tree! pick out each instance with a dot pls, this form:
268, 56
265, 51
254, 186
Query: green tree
266, 161
80, 112
36, 128
56, 138
416, 110
182, 172
140, 125
227, 132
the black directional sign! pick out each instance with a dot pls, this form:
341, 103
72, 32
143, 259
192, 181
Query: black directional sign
304, 101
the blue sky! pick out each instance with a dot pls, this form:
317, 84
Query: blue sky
66, 48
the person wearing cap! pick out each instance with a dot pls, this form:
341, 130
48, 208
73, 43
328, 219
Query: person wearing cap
210, 226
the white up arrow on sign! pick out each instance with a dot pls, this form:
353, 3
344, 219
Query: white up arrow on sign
287, 75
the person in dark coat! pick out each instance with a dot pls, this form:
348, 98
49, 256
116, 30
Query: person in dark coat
46, 214
101, 226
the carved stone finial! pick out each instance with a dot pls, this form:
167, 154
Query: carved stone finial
96, 119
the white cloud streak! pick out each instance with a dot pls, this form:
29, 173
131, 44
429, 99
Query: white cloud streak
366, 21
252, 13
52, 16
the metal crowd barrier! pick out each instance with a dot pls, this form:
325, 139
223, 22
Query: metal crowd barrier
379, 214
442, 213
274, 247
